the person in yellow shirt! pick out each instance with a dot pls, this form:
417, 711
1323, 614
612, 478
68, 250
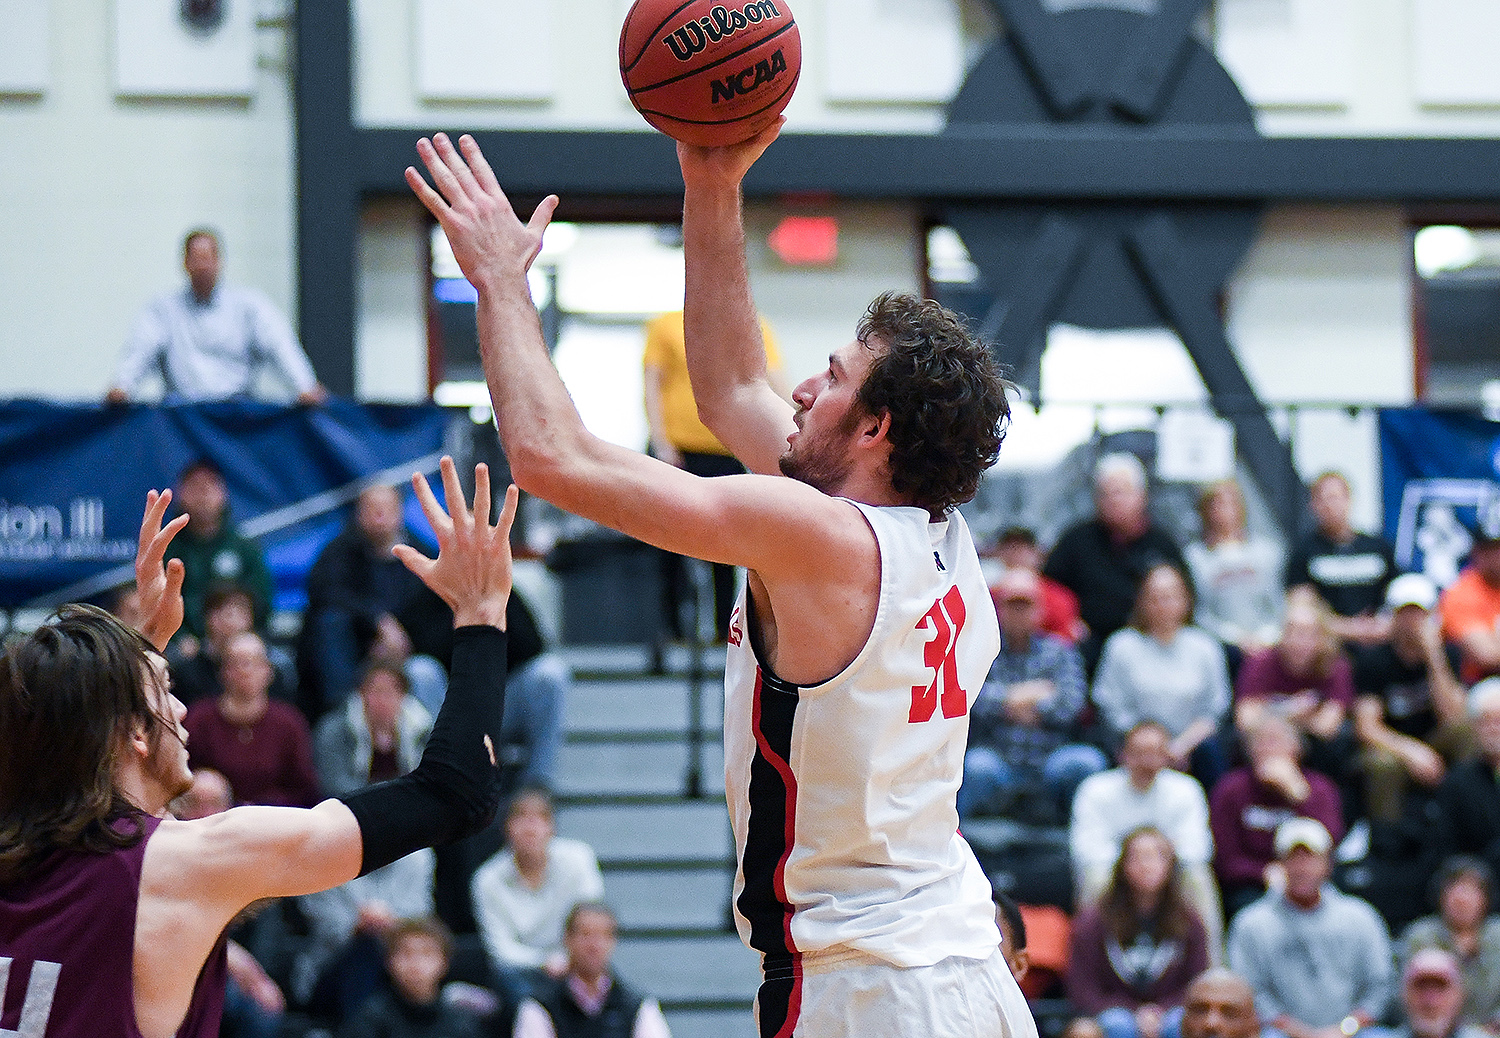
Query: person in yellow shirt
680, 439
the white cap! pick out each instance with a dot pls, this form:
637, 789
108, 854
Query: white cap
1302, 832
1411, 589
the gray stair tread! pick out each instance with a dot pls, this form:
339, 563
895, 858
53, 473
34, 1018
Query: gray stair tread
697, 830
711, 1023
638, 659
589, 769
643, 704
683, 968
685, 899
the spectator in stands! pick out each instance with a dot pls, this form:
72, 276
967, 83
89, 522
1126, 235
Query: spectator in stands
1432, 992
1410, 716
1135, 950
1017, 548
378, 735
1249, 804
1318, 960
589, 999
522, 896
356, 592
1012, 926
209, 340
253, 1005
417, 955
1102, 560
213, 551
262, 746
1026, 712
1465, 928
1143, 791
1349, 570
1471, 605
1219, 1004
1469, 798
1236, 577
228, 610
1306, 678
680, 439
1162, 669
342, 963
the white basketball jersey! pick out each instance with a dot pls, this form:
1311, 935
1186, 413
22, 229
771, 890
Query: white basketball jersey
842, 794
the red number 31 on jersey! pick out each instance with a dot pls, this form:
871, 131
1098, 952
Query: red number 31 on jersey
946, 620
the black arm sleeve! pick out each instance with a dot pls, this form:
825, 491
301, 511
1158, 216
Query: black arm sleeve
455, 790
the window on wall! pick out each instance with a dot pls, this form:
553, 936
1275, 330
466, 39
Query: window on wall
1457, 314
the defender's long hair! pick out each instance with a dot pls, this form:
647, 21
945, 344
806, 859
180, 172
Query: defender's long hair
69, 692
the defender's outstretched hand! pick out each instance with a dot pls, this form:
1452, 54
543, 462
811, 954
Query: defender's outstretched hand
159, 585
472, 572
487, 236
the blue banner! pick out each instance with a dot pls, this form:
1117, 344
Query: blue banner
73, 481
1439, 472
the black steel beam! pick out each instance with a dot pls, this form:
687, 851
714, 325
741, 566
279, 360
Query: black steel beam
1191, 308
989, 163
327, 191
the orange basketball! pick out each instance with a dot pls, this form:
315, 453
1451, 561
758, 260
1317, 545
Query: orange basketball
710, 71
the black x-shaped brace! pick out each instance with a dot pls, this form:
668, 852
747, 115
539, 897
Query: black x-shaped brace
1139, 85
1138, 88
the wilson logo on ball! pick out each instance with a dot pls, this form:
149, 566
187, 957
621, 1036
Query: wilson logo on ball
719, 24
741, 83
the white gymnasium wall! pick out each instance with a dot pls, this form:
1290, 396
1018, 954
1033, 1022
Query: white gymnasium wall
99, 189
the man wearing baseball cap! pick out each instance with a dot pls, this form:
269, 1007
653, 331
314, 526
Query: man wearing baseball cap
1471, 606
1029, 705
1318, 959
1410, 718
1432, 993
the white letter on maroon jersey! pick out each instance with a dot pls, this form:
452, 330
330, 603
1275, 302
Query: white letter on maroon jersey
39, 994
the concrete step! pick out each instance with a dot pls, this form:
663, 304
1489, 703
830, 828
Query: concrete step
694, 831
624, 660
643, 768
641, 704
734, 1022
695, 898
686, 969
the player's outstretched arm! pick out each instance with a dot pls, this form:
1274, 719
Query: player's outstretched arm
255, 852
725, 354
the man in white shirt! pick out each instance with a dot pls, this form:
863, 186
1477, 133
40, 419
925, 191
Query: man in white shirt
589, 999
1144, 791
208, 341
522, 896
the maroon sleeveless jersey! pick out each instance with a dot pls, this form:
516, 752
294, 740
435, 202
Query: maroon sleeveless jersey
67, 941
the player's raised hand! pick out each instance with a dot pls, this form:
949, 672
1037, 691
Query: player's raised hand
487, 236
159, 584
727, 164
472, 572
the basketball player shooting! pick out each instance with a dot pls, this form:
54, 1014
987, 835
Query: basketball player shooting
112, 915
865, 631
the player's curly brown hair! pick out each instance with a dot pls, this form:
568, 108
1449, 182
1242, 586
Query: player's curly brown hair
945, 395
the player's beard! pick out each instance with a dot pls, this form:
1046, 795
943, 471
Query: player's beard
822, 464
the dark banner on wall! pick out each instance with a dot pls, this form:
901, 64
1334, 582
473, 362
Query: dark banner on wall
1440, 472
73, 481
